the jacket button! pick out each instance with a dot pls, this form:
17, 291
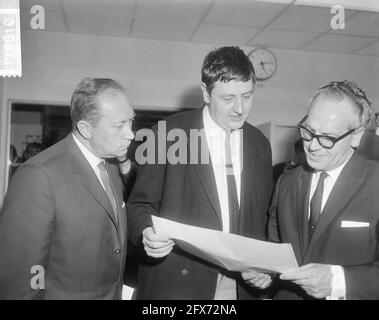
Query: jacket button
184, 272
117, 251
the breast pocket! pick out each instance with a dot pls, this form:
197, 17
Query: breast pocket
354, 245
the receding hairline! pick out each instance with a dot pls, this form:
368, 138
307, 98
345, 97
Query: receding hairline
112, 93
325, 97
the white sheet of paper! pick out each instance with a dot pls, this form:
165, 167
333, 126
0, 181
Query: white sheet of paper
230, 251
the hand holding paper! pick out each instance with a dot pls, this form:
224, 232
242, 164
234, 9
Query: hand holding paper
230, 251
314, 278
257, 279
156, 245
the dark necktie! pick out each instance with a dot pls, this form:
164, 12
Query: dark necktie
234, 210
315, 205
107, 186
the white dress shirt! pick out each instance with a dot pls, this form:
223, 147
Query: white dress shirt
215, 135
338, 276
92, 159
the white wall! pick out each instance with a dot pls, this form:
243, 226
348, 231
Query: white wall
167, 74
161, 74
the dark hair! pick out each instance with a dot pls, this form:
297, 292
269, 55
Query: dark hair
226, 64
84, 99
338, 90
31, 149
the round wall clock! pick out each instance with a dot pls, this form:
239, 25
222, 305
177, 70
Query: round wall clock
264, 62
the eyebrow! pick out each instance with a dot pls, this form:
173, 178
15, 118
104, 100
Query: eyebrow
330, 134
242, 94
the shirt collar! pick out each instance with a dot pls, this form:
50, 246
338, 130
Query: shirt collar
210, 126
91, 158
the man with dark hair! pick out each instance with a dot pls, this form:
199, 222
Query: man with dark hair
63, 223
31, 149
230, 192
328, 210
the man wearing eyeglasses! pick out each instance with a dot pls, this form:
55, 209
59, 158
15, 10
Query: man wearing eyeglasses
329, 210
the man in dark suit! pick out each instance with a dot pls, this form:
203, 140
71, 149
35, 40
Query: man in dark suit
63, 223
329, 211
231, 192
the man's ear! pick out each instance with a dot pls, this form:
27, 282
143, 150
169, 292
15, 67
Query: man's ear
85, 129
206, 96
357, 136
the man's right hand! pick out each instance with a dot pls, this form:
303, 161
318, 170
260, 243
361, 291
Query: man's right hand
156, 245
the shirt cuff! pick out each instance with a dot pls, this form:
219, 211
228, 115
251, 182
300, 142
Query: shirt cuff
338, 284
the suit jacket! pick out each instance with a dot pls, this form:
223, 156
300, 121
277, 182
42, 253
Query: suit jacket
57, 215
187, 193
354, 197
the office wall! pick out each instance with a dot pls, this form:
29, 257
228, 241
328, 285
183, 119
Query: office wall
162, 74
167, 74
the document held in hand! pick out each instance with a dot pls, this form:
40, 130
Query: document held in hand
230, 251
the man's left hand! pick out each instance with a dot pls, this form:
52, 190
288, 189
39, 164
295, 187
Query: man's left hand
257, 279
124, 164
314, 278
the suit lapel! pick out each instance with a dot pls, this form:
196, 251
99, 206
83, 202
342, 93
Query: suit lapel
208, 181
347, 184
302, 196
248, 183
89, 178
204, 171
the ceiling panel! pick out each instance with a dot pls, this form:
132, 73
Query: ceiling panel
163, 29
243, 12
117, 8
366, 5
287, 25
362, 24
304, 18
224, 34
98, 24
371, 49
179, 10
48, 5
283, 38
275, 1
338, 43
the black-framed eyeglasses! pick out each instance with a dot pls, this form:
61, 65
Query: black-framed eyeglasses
324, 141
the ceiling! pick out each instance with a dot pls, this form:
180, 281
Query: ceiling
284, 24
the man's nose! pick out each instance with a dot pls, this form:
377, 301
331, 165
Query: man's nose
314, 144
238, 106
128, 134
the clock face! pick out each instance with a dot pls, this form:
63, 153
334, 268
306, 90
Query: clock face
264, 62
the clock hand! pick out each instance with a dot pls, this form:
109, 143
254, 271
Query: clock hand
263, 66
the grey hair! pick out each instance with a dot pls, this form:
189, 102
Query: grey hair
84, 104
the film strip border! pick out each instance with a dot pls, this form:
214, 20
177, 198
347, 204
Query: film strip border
10, 39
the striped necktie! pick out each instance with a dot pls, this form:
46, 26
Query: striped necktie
107, 186
315, 205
